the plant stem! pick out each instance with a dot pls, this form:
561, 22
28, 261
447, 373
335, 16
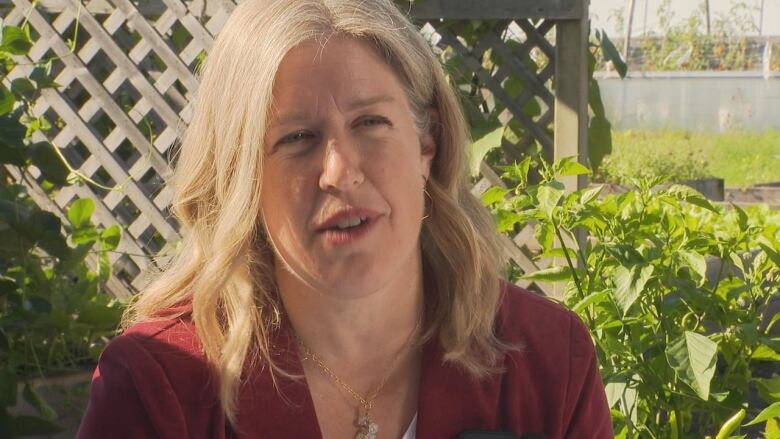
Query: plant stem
568, 259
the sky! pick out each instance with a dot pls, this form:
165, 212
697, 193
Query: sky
645, 13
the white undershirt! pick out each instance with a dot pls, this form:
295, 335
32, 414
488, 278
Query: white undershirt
411, 432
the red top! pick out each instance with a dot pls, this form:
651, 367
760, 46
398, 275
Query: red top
152, 381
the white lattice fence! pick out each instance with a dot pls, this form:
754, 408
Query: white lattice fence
127, 81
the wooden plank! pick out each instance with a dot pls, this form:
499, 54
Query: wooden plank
536, 35
95, 88
114, 169
498, 9
571, 102
171, 59
495, 88
77, 126
533, 84
127, 67
571, 105
149, 8
193, 26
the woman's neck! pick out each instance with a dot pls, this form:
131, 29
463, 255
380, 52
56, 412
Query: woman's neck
368, 326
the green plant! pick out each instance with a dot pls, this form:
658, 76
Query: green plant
675, 292
54, 316
740, 158
686, 44
627, 162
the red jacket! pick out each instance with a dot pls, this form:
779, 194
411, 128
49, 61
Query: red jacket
152, 381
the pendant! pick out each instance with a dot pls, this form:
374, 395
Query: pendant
366, 428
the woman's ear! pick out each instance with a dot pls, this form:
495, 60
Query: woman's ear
429, 141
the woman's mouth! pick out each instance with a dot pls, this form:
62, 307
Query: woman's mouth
348, 230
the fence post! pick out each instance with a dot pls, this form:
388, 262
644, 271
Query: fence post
571, 103
571, 94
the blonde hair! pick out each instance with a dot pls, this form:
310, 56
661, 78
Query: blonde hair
224, 267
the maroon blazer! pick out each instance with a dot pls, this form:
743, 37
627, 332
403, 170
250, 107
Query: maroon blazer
153, 382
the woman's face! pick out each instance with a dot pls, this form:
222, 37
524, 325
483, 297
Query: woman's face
342, 195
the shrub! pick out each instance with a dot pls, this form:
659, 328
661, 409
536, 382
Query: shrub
54, 316
675, 291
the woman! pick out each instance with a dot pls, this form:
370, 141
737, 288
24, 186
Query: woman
337, 279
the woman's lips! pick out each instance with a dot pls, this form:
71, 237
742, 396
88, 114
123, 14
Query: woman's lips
348, 213
336, 236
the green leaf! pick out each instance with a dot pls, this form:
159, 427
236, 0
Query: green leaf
592, 298
517, 172
771, 254
764, 352
552, 274
694, 356
23, 86
696, 262
12, 149
549, 195
772, 430
591, 194
110, 237
544, 234
771, 412
737, 261
611, 53
49, 163
690, 195
482, 146
76, 257
99, 315
41, 77
742, 217
104, 267
494, 195
85, 235
599, 141
506, 220
614, 390
629, 283
569, 166
769, 388
7, 100
620, 390
45, 228
594, 98
34, 399
557, 252
15, 40
80, 212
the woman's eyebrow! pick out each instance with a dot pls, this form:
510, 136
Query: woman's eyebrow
288, 118
369, 101
298, 116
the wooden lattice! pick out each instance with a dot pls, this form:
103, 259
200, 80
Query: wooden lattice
128, 80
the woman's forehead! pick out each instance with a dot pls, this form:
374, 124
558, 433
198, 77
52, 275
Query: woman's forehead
346, 70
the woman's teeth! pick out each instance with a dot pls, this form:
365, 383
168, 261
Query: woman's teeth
351, 222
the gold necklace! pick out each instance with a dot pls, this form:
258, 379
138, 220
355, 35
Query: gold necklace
367, 428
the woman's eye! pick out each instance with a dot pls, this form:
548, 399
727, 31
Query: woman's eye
294, 137
373, 121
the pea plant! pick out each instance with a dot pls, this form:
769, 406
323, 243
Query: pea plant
677, 293
54, 315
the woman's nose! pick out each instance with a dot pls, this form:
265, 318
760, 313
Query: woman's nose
341, 169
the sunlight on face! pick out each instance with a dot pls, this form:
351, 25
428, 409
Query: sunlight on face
342, 136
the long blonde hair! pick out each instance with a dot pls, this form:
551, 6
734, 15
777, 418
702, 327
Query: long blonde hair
224, 266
